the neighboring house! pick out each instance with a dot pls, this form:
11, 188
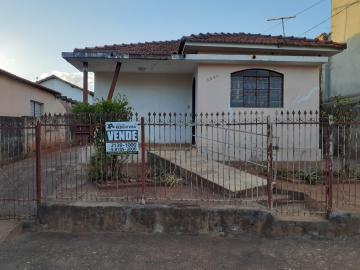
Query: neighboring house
20, 101
21, 97
212, 73
66, 88
342, 73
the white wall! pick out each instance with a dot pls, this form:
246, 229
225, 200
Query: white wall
172, 93
301, 92
159, 93
66, 90
148, 92
301, 87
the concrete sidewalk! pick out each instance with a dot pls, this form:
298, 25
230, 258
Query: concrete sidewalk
167, 251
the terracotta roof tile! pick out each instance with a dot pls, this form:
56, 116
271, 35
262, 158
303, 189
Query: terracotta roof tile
172, 47
258, 39
146, 48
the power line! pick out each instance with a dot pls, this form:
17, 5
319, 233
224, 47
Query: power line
325, 20
296, 14
310, 7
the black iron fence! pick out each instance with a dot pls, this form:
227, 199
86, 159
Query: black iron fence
292, 163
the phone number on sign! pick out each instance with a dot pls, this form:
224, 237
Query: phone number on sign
128, 147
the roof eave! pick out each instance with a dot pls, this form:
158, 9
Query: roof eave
85, 56
327, 49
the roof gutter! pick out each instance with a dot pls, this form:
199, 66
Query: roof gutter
278, 47
232, 58
84, 56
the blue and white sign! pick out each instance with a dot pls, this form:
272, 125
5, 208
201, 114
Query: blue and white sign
122, 137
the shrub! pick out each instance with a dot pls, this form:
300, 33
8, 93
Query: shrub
103, 167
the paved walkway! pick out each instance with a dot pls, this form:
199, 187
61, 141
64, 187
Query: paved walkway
227, 177
52, 251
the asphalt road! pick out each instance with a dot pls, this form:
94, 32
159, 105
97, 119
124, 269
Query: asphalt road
165, 251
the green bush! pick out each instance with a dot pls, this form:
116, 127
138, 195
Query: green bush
103, 167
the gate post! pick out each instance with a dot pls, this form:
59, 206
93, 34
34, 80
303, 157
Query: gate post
269, 159
329, 165
38, 161
142, 127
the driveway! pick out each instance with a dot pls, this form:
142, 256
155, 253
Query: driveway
61, 170
166, 251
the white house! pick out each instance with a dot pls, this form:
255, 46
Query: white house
66, 88
209, 73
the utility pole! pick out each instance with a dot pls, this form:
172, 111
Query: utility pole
282, 21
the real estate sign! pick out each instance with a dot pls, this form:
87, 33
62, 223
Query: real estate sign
122, 137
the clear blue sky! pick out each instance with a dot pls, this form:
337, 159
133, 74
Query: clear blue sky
34, 33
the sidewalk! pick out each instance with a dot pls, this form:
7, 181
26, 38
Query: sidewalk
167, 251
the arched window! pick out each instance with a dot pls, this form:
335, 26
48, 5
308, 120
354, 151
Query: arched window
256, 88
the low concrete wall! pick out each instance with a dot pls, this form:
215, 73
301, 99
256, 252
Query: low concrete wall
153, 218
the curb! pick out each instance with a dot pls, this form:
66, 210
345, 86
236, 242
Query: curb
224, 220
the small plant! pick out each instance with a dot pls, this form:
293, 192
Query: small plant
165, 175
352, 174
310, 176
170, 180
282, 173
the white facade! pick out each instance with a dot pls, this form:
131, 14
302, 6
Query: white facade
301, 93
301, 87
66, 89
165, 92
149, 92
168, 92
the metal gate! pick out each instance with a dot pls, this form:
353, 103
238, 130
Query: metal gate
290, 164
17, 168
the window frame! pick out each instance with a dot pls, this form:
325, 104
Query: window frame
33, 103
280, 75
